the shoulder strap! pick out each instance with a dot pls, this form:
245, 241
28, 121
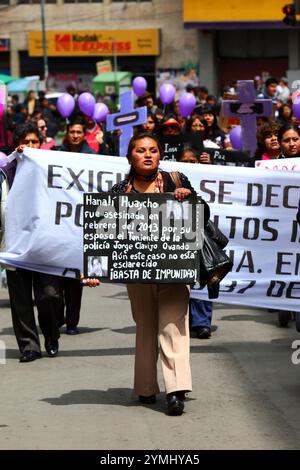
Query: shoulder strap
176, 178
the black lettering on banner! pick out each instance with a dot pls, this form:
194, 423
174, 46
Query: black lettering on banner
232, 220
75, 179
82, 180
289, 260
231, 287
249, 265
52, 175
270, 230
286, 192
141, 238
208, 191
254, 194
259, 194
288, 290
221, 191
270, 195
295, 236
64, 210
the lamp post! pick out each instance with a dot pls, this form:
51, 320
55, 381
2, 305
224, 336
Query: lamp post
114, 49
45, 57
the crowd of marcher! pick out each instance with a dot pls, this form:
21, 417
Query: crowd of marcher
37, 123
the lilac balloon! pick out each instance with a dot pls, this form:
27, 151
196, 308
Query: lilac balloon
167, 93
236, 138
139, 86
86, 103
187, 103
3, 159
296, 107
100, 112
65, 104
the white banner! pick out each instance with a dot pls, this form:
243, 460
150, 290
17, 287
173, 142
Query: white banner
282, 164
255, 209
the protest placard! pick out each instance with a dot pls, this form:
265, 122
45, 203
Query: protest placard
142, 238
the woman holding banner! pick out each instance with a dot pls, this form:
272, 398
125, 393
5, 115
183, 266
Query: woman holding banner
159, 310
289, 139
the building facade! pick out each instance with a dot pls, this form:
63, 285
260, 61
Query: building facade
239, 39
226, 39
139, 36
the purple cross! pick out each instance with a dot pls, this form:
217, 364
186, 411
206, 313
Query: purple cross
247, 109
2, 115
126, 119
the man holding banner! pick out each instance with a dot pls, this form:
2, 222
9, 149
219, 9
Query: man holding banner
21, 281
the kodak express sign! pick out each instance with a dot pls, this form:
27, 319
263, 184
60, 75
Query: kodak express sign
89, 43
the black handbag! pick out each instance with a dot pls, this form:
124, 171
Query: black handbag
214, 263
215, 233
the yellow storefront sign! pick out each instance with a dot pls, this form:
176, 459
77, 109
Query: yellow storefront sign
216, 11
96, 43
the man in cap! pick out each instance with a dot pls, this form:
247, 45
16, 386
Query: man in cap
147, 100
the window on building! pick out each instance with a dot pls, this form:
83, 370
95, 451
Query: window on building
20, 2
83, 1
4, 2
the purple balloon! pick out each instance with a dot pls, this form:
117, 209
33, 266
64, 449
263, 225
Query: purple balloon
187, 103
65, 104
139, 86
100, 112
167, 93
296, 107
236, 138
3, 159
86, 103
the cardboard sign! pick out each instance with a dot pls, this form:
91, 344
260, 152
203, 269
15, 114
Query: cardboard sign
103, 66
173, 145
142, 238
228, 157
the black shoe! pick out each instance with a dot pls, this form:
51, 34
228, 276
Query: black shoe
72, 331
29, 356
61, 322
147, 400
203, 333
175, 404
51, 348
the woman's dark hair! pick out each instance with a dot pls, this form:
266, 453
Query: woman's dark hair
281, 118
26, 128
139, 129
214, 130
142, 135
131, 145
192, 119
265, 131
187, 148
285, 128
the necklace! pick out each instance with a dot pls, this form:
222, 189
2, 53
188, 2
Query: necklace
157, 177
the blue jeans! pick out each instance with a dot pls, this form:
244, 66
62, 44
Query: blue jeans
200, 313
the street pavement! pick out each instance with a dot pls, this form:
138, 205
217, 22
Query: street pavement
246, 391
